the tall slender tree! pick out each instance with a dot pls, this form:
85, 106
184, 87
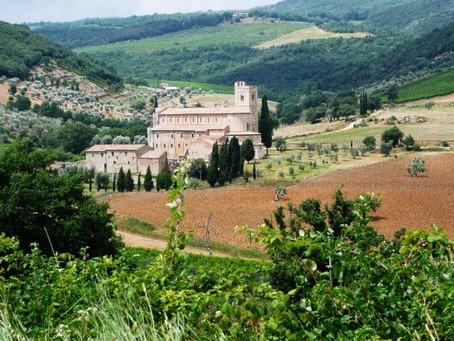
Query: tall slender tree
363, 103
247, 150
121, 182
129, 182
265, 124
224, 164
213, 168
148, 181
234, 154
139, 182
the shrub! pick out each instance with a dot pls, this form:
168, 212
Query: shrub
418, 165
393, 135
370, 142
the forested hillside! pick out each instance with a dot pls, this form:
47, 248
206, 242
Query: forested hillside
104, 31
407, 40
21, 49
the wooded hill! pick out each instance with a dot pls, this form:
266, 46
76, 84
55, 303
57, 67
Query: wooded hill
22, 49
409, 40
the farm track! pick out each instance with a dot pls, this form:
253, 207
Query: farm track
406, 201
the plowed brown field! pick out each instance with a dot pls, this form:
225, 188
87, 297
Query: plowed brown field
406, 202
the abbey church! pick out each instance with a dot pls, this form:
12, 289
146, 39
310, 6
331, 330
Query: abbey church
191, 132
184, 133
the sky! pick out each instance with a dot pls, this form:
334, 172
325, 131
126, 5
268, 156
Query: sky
30, 11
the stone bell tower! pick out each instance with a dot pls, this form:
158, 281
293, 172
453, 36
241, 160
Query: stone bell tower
246, 97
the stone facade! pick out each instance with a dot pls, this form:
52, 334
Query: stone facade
110, 158
191, 132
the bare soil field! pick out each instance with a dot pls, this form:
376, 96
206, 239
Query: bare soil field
406, 202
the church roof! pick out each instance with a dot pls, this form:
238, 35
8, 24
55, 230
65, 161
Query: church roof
204, 111
188, 127
115, 147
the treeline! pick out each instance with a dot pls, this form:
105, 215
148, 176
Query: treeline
23, 49
105, 31
343, 15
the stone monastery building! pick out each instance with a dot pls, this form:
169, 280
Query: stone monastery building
191, 132
184, 133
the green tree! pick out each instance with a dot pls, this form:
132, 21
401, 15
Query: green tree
409, 142
76, 137
121, 182
213, 168
164, 181
224, 163
418, 165
139, 182
393, 135
53, 211
363, 105
102, 181
234, 154
198, 169
392, 93
369, 142
22, 103
129, 181
247, 150
386, 148
280, 143
148, 181
265, 124
114, 183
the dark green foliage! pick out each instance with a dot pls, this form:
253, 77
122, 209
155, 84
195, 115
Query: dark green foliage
148, 181
393, 135
386, 148
22, 103
254, 171
224, 165
50, 210
312, 214
340, 213
265, 124
114, 183
409, 142
363, 103
234, 155
23, 49
121, 181
198, 169
247, 150
164, 181
213, 168
102, 181
369, 142
129, 182
139, 182
75, 137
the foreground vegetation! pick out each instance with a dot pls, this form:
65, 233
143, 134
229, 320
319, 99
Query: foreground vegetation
331, 277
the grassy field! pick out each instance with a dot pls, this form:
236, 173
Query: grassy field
312, 32
438, 85
238, 35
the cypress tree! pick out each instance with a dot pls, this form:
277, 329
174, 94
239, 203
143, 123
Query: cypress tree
247, 150
265, 124
363, 103
139, 183
129, 182
224, 166
121, 182
254, 172
114, 183
213, 168
148, 181
234, 154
